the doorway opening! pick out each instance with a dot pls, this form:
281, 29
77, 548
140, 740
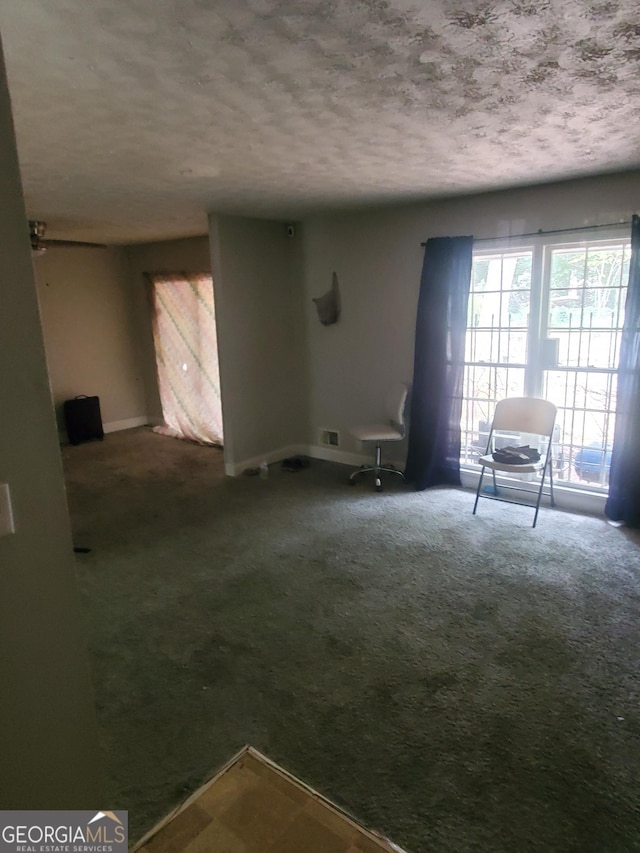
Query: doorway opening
186, 347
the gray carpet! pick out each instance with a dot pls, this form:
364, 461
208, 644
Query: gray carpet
460, 683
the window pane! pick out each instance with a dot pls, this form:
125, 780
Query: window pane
499, 309
483, 387
497, 337
567, 270
587, 348
604, 266
499, 305
585, 293
584, 425
586, 314
514, 347
502, 271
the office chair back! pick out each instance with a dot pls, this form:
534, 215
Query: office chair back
395, 404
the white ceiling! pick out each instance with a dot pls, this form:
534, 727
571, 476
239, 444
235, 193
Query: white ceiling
135, 117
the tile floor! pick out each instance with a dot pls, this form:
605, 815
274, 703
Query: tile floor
253, 806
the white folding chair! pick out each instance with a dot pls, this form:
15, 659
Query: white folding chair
515, 419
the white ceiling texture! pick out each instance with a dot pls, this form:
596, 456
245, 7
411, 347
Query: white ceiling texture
135, 117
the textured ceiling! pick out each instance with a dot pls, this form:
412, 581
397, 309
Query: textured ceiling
135, 117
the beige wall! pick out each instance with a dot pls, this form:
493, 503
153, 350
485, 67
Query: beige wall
190, 255
91, 331
258, 292
96, 323
378, 258
48, 741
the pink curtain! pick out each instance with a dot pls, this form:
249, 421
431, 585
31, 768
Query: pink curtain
184, 334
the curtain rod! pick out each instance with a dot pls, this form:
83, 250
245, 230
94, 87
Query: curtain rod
540, 232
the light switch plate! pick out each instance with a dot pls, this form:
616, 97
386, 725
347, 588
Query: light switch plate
6, 513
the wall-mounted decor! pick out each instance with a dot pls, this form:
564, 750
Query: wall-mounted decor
328, 305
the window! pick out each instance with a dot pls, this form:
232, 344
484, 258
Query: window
546, 320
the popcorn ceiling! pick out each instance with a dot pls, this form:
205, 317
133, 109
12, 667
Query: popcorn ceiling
133, 119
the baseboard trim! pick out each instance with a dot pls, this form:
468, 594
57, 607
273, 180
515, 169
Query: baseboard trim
572, 499
315, 451
127, 423
330, 454
234, 469
114, 426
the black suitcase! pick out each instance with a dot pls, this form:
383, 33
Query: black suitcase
82, 419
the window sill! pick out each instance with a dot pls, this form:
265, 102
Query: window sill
572, 498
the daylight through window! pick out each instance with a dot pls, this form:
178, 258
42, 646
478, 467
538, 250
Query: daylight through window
546, 320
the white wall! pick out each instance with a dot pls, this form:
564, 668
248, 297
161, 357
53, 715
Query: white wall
91, 332
48, 742
258, 293
378, 258
189, 255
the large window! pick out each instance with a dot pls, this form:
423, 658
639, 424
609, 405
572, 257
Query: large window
546, 320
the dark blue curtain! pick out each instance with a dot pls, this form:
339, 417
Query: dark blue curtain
436, 402
623, 503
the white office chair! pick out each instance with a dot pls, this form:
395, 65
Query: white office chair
515, 418
393, 430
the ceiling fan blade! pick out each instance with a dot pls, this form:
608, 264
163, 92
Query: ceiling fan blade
39, 245
48, 243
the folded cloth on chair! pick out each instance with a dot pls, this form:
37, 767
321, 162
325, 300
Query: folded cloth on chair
524, 455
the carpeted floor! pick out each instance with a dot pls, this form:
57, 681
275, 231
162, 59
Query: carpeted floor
460, 683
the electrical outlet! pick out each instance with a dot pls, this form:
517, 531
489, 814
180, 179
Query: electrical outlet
6, 513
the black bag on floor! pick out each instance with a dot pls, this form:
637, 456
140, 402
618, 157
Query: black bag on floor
82, 419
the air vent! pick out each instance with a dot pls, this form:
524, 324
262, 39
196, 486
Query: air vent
330, 437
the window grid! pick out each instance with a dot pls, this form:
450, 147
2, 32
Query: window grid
584, 295
493, 368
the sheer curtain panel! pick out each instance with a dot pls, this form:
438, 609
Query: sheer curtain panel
184, 334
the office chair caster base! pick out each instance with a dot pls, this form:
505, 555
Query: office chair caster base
369, 469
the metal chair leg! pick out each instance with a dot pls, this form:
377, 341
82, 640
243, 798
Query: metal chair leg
475, 506
535, 517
